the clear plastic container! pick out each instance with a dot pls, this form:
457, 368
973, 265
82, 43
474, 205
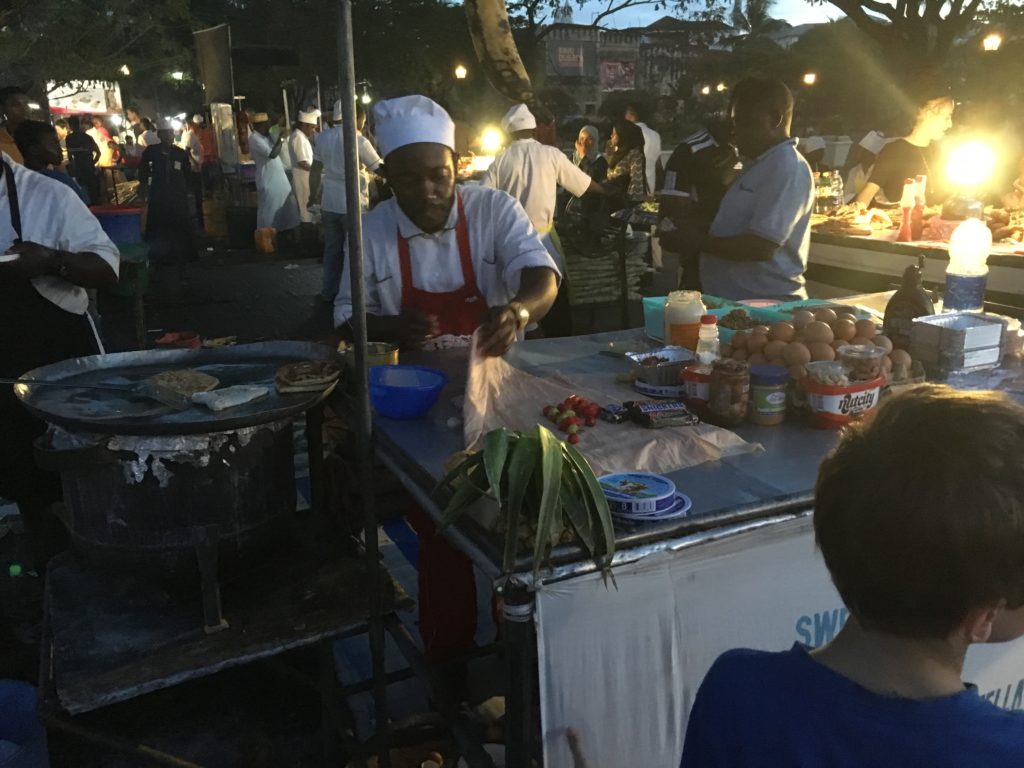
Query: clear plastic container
729, 393
862, 363
683, 311
708, 347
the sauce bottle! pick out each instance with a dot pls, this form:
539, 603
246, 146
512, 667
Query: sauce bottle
910, 301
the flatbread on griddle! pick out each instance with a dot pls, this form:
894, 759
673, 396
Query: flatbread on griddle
307, 376
185, 381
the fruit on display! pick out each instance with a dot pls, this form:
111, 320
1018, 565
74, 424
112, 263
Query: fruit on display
812, 337
572, 414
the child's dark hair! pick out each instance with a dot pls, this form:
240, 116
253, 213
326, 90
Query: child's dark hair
920, 511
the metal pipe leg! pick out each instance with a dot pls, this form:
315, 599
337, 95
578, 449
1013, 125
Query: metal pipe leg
519, 670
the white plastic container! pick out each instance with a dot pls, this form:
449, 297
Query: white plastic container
708, 347
683, 311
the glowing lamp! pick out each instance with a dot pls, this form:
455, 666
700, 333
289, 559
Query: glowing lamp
490, 141
366, 98
992, 42
177, 75
706, 90
971, 164
810, 78
720, 87
461, 72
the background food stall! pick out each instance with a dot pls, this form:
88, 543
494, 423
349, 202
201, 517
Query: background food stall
739, 569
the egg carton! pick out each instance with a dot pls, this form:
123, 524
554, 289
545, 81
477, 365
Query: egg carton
957, 341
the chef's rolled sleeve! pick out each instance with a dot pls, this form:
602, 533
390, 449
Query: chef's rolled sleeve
516, 242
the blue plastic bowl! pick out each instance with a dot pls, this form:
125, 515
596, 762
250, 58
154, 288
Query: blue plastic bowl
405, 391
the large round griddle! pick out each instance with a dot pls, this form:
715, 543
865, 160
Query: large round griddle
113, 413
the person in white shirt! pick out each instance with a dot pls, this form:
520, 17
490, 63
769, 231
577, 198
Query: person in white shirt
652, 145
330, 153
148, 136
189, 141
442, 259
759, 241
302, 159
532, 172
275, 204
60, 251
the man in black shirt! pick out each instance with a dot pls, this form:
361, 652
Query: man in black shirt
697, 175
910, 156
165, 176
83, 154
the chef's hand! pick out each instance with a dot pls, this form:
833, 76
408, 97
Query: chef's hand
498, 332
34, 262
415, 328
579, 760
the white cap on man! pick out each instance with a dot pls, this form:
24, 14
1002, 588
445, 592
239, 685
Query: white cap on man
518, 118
198, 119
310, 117
336, 115
412, 120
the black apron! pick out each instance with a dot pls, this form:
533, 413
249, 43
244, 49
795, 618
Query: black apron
33, 332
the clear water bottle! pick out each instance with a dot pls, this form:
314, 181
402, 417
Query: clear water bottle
967, 273
708, 345
838, 193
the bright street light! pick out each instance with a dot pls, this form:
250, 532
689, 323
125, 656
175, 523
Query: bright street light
706, 90
33, 105
177, 75
810, 78
992, 41
720, 87
116, 119
366, 98
461, 72
124, 70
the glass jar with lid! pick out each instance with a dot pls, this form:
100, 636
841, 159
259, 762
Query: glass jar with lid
729, 393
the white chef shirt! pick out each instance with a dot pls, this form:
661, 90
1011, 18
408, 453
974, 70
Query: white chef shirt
53, 215
330, 151
149, 138
501, 238
301, 149
189, 141
531, 172
772, 198
652, 151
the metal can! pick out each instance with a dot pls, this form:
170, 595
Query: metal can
729, 393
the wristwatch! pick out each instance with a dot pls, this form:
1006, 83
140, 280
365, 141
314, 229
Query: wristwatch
522, 314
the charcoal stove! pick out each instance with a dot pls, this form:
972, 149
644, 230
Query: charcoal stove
186, 497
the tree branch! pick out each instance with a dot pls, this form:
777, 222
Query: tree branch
867, 24
613, 9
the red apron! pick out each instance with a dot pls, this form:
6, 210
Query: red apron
458, 312
447, 587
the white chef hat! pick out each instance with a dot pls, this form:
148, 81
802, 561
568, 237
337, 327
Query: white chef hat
518, 118
412, 120
336, 117
309, 118
811, 144
198, 119
873, 142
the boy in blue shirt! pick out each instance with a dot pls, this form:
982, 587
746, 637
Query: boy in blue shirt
919, 515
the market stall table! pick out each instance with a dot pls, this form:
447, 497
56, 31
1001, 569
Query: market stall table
842, 264
739, 570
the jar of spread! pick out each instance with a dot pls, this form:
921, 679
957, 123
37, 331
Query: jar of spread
768, 394
683, 311
697, 381
728, 393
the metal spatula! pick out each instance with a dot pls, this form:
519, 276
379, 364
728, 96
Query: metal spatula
144, 389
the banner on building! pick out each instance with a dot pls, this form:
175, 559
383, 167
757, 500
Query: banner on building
213, 50
569, 59
85, 97
618, 75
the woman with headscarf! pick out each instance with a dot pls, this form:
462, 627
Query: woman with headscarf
587, 156
627, 166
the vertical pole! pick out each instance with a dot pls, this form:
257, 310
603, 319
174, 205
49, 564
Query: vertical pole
363, 418
517, 611
284, 98
319, 103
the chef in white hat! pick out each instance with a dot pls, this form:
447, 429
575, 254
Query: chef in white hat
330, 153
532, 172
302, 159
275, 202
441, 259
